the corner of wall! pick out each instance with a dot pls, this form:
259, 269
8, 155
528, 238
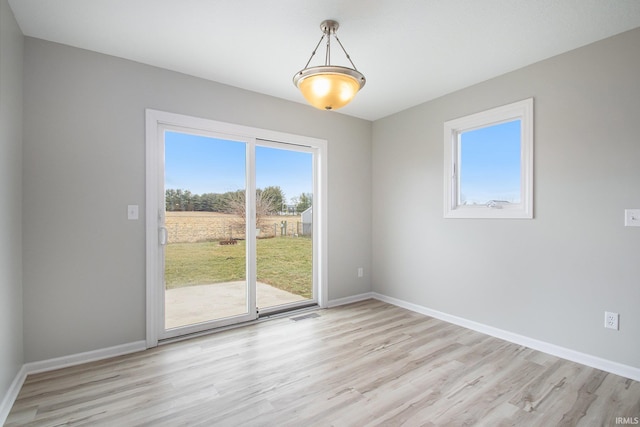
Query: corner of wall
11, 301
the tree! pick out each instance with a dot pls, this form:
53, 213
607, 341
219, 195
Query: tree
236, 205
211, 202
304, 202
185, 200
269, 201
179, 200
276, 197
170, 200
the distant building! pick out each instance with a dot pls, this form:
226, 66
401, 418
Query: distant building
306, 218
288, 210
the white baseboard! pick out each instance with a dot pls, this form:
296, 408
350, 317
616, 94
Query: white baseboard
12, 394
62, 362
349, 300
119, 350
545, 347
88, 356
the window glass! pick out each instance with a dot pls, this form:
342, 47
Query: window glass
490, 165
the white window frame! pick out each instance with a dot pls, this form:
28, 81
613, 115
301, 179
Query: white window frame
521, 110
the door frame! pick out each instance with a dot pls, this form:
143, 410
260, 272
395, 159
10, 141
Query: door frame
155, 123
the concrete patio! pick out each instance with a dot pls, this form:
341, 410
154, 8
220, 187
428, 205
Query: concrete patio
195, 304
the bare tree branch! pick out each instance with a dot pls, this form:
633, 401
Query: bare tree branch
265, 206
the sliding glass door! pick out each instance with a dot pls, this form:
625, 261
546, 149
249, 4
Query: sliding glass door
284, 234
235, 224
237, 229
205, 253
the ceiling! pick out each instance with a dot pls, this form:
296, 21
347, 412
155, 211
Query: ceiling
411, 51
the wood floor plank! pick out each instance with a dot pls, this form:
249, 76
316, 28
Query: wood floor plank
365, 364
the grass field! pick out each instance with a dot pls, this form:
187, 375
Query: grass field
210, 226
283, 262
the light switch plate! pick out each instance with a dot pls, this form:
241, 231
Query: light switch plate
632, 217
132, 212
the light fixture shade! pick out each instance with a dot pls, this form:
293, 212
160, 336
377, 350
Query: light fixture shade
329, 87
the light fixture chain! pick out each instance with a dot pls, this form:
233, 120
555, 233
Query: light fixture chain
314, 51
327, 55
345, 52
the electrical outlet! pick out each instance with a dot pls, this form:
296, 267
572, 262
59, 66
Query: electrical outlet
611, 320
632, 217
132, 212
360, 271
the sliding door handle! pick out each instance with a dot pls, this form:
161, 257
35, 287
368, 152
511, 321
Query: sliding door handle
162, 236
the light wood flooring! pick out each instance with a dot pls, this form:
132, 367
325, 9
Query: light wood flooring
363, 364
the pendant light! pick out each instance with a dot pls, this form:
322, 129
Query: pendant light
329, 87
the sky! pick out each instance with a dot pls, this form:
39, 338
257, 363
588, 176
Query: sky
490, 164
208, 165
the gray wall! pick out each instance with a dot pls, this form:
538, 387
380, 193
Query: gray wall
84, 157
550, 278
11, 50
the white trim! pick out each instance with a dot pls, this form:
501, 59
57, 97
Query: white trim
208, 125
521, 110
153, 261
350, 300
59, 363
545, 347
12, 394
86, 357
320, 217
250, 229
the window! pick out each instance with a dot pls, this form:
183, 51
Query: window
488, 163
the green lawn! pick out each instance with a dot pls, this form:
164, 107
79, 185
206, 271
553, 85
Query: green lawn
283, 262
